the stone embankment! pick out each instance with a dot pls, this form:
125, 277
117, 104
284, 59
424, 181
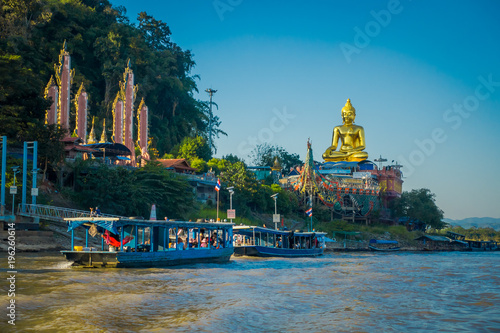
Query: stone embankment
53, 237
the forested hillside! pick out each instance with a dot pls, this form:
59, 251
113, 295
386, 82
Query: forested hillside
100, 40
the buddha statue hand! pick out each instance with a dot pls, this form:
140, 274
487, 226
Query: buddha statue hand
328, 151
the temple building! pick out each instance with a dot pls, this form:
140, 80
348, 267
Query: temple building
64, 77
51, 93
347, 182
59, 92
81, 114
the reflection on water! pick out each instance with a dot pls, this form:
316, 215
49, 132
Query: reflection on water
336, 292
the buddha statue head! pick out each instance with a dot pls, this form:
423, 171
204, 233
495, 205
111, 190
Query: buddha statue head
348, 113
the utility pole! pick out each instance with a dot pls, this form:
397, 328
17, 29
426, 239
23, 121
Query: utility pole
231, 192
276, 218
4, 170
211, 92
15, 170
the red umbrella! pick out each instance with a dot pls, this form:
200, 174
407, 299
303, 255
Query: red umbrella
113, 241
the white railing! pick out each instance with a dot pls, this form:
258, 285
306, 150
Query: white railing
56, 213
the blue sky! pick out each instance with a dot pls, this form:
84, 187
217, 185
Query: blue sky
424, 78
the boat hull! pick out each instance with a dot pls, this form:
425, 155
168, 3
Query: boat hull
98, 259
262, 251
373, 248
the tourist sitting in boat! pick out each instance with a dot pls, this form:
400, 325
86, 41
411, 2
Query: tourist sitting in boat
204, 242
193, 243
213, 239
180, 244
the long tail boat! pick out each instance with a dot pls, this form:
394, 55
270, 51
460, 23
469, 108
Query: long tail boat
383, 245
265, 242
145, 243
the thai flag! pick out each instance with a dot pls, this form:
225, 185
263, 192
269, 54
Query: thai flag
217, 186
309, 212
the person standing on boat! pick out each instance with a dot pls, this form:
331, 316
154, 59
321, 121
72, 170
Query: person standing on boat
97, 211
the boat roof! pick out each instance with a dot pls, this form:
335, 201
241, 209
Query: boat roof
112, 223
250, 228
434, 238
382, 241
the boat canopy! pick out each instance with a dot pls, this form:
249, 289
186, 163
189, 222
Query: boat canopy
382, 241
113, 223
248, 230
108, 223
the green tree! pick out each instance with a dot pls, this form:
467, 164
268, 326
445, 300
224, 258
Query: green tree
132, 192
419, 204
199, 164
191, 148
265, 154
232, 158
50, 147
212, 124
101, 41
217, 164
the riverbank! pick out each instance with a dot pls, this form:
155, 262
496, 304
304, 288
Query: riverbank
53, 237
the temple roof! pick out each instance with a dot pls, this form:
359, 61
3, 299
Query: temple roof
80, 148
177, 163
109, 149
72, 139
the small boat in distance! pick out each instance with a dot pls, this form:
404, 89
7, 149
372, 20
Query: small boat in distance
146, 243
264, 242
383, 245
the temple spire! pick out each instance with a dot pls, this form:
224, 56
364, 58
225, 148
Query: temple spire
104, 138
92, 134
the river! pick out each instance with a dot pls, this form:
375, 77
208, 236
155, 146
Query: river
338, 292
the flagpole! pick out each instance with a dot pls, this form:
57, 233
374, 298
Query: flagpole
311, 213
217, 206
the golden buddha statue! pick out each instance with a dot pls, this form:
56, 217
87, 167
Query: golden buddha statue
352, 139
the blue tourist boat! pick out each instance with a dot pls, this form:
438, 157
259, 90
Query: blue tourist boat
383, 245
264, 242
145, 243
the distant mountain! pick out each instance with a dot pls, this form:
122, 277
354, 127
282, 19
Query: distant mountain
478, 222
